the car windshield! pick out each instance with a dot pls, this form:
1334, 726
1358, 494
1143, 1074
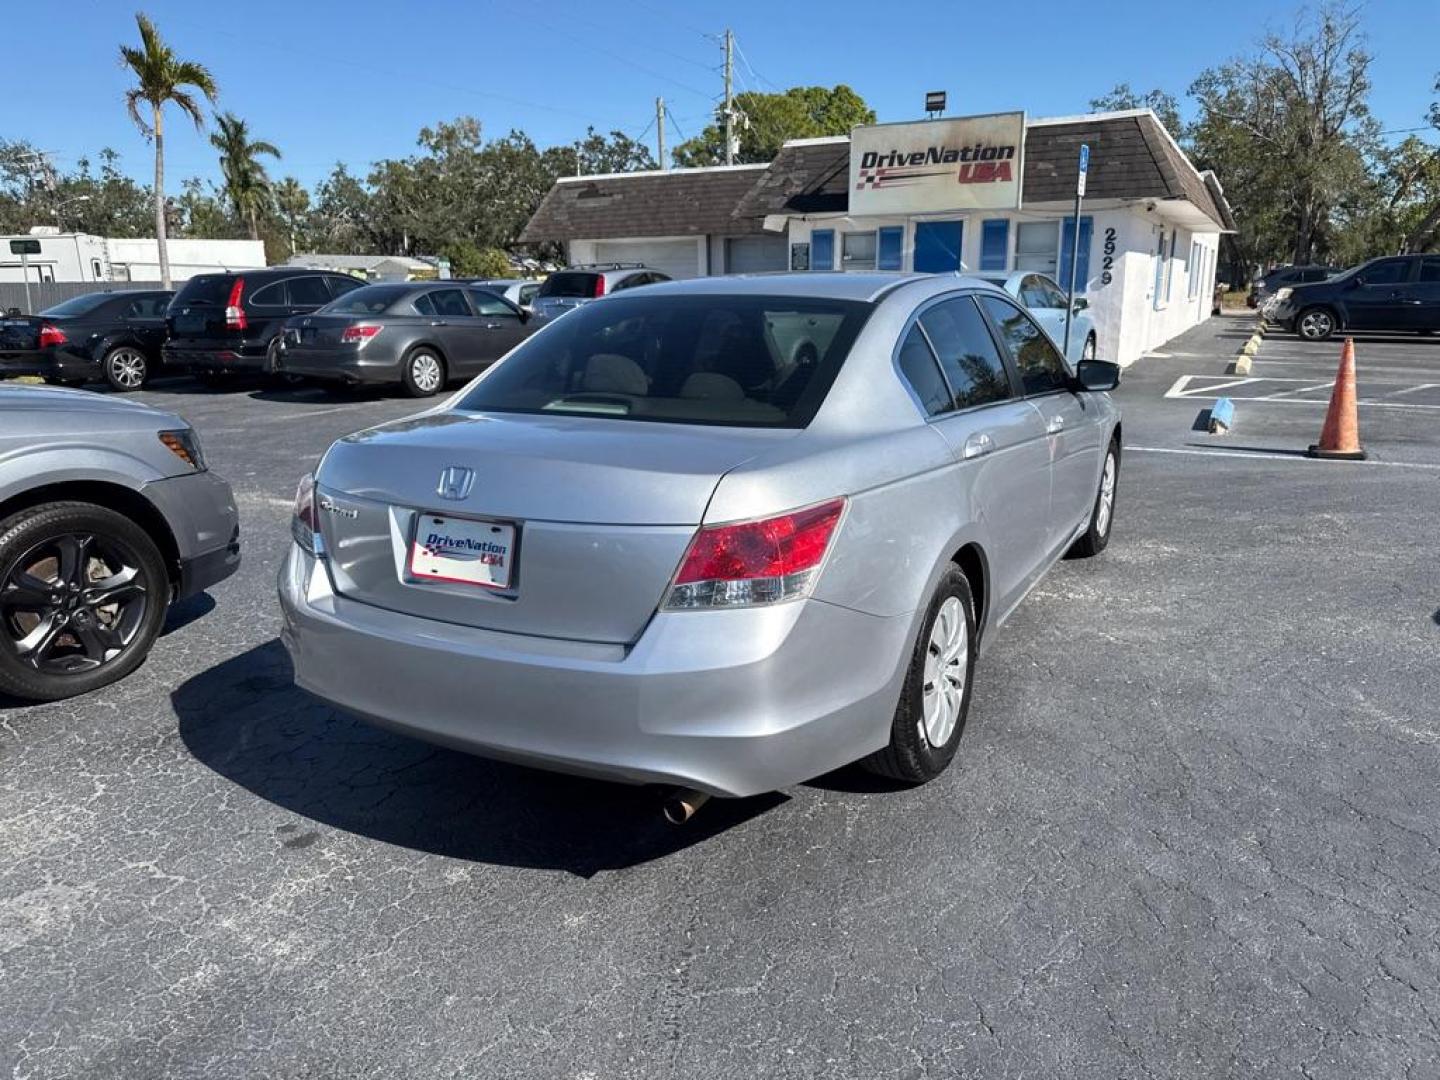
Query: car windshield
77, 305
569, 284
369, 300
742, 361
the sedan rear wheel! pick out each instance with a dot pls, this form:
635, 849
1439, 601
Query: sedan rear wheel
1102, 514
935, 699
126, 368
424, 373
83, 593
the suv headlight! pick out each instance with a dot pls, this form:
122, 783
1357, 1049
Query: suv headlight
1284, 294
184, 444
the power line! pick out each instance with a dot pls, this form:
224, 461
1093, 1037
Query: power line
746, 61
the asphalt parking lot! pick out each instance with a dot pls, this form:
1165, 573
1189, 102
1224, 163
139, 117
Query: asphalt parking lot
1193, 831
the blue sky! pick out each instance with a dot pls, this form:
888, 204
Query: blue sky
356, 80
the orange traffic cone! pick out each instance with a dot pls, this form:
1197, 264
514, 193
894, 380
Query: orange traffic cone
1340, 437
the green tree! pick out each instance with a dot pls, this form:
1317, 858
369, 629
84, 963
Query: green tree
1289, 132
1162, 103
341, 219
767, 120
162, 78
247, 184
200, 212
292, 200
1420, 234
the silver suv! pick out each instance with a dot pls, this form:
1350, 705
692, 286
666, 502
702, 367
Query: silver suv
579, 284
107, 514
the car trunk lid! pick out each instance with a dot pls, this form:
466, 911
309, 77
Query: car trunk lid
601, 512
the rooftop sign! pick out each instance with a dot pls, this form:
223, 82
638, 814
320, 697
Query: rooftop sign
964, 163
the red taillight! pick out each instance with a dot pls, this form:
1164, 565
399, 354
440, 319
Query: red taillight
599, 289
305, 521
234, 313
358, 335
755, 562
51, 335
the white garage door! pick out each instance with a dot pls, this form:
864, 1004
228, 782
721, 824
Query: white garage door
755, 254
678, 258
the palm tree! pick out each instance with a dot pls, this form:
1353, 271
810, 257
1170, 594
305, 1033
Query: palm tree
247, 184
162, 79
292, 201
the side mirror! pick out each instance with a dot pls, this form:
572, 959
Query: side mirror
1098, 375
1081, 304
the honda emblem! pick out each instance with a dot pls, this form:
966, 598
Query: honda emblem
455, 482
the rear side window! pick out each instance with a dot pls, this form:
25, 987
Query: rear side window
680, 359
1430, 271
342, 284
569, 283
1041, 368
147, 307
967, 352
269, 296
308, 292
449, 302
369, 300
922, 372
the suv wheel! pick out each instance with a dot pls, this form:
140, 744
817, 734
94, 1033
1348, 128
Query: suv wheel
1315, 324
125, 368
424, 372
935, 700
83, 593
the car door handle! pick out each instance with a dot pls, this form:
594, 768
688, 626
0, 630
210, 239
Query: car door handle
978, 445
492, 326
1056, 423
438, 322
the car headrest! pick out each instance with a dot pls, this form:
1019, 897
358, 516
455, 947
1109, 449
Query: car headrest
611, 373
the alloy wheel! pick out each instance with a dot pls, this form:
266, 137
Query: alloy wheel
1316, 324
127, 368
1106, 505
72, 603
947, 659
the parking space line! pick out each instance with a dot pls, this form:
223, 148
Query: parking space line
1182, 389
1299, 390
1413, 389
1278, 455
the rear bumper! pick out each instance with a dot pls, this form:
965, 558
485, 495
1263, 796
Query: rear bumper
237, 357
731, 702
340, 365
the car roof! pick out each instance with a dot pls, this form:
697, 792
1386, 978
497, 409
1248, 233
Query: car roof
833, 285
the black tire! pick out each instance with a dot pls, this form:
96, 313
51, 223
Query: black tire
911, 757
416, 374
1316, 324
1097, 536
90, 644
125, 368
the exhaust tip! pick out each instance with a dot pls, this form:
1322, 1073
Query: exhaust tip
682, 804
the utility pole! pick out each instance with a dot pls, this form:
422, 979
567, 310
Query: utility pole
729, 97
660, 131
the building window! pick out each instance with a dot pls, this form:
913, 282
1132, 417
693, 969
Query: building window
994, 244
1037, 246
1170, 265
822, 249
1082, 264
1159, 299
858, 251
799, 256
96, 270
890, 248
1193, 282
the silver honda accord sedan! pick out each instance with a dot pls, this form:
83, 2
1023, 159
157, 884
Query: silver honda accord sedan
726, 534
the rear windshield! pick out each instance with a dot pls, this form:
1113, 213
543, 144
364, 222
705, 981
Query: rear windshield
368, 300
78, 305
205, 289
741, 361
569, 283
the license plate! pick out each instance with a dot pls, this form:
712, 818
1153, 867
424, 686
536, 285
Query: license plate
189, 324
462, 551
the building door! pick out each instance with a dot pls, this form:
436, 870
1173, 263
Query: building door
755, 254
677, 258
937, 246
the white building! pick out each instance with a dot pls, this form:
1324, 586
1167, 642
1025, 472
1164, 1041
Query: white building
81, 257
369, 267
991, 193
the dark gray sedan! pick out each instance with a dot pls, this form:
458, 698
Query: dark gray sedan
418, 334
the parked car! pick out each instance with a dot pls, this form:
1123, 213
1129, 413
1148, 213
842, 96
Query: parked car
648, 546
579, 284
520, 292
108, 514
114, 336
224, 324
417, 334
1263, 288
1046, 301
1398, 292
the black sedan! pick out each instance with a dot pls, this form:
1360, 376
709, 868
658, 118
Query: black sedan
1398, 292
114, 336
418, 334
